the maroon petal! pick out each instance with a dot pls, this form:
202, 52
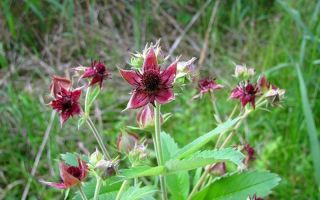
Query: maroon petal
96, 79
168, 75
76, 109
138, 99
66, 177
89, 72
236, 93
55, 185
64, 116
75, 95
164, 96
150, 62
84, 169
131, 77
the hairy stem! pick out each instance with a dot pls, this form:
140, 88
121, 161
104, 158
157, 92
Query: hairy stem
98, 138
122, 188
215, 108
157, 125
97, 190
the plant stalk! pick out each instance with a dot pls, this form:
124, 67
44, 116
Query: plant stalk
122, 188
82, 194
97, 190
98, 138
157, 125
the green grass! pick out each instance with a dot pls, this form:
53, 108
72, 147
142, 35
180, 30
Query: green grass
262, 34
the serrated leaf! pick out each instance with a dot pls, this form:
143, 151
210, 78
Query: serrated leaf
70, 159
140, 171
137, 193
204, 158
91, 95
239, 186
178, 183
201, 141
108, 189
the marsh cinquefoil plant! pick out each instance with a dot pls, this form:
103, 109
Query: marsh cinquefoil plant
160, 169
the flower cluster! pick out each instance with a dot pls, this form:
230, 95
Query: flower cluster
154, 85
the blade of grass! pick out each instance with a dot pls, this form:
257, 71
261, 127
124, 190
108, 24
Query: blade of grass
311, 127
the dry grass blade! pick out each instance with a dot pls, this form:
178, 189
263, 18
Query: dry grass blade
192, 21
207, 36
38, 156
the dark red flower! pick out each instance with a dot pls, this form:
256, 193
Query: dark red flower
57, 83
67, 104
246, 93
208, 85
150, 84
97, 71
249, 151
70, 175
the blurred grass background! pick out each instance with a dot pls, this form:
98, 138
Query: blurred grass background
42, 38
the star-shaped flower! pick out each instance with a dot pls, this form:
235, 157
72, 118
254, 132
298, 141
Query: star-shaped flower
150, 84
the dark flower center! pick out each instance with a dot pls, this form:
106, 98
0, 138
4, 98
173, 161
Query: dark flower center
100, 69
66, 103
75, 171
151, 80
250, 90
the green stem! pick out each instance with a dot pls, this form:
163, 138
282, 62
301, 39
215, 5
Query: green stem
98, 138
207, 169
98, 186
82, 194
122, 188
157, 125
215, 108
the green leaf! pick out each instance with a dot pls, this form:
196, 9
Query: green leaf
70, 159
90, 97
108, 190
204, 158
201, 141
178, 183
137, 193
140, 171
239, 186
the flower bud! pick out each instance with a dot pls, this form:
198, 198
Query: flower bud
274, 96
145, 117
185, 70
242, 72
106, 168
126, 142
138, 154
218, 169
95, 157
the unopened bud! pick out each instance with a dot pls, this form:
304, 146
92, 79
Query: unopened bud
126, 142
218, 169
95, 157
275, 96
145, 117
242, 72
138, 154
106, 168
